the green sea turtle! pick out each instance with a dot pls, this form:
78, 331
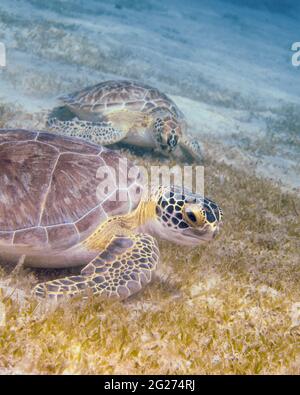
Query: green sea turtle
127, 112
55, 212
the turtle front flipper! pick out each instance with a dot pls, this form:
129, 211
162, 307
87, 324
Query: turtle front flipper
122, 269
101, 133
191, 146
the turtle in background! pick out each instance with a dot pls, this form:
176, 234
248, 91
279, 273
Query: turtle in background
128, 112
55, 212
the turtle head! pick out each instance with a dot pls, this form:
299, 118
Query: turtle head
167, 131
186, 218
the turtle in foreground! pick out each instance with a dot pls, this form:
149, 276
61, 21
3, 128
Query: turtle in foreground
127, 112
56, 211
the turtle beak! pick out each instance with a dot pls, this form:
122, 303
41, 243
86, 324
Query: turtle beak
215, 228
165, 147
203, 234
215, 232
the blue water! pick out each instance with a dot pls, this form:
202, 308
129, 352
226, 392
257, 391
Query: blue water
227, 64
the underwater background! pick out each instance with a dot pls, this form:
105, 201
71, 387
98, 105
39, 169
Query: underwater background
228, 66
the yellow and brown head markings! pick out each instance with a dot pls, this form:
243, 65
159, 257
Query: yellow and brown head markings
186, 216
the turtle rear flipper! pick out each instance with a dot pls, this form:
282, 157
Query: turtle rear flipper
101, 133
122, 269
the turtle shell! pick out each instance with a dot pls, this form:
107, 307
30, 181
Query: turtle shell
101, 99
51, 189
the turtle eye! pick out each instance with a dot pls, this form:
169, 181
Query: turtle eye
191, 216
172, 141
194, 216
